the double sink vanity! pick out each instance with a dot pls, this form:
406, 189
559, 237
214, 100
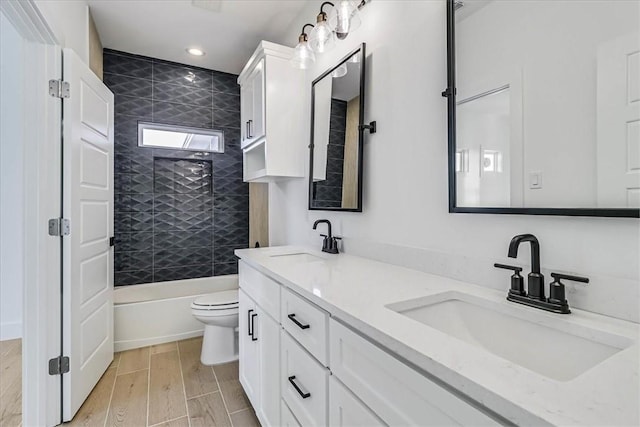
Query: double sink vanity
341, 340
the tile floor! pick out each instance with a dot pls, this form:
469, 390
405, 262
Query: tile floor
11, 383
162, 385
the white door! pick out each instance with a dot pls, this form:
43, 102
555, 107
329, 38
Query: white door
249, 369
87, 278
618, 109
246, 105
256, 127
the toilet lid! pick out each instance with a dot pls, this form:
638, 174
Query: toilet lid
218, 299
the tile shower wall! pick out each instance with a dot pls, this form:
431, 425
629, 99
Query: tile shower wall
178, 214
328, 193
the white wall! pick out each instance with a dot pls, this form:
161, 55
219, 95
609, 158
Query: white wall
405, 219
11, 181
69, 20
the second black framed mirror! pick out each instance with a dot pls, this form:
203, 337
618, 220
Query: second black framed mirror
337, 135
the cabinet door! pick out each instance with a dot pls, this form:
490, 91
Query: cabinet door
268, 335
249, 360
257, 124
347, 410
246, 109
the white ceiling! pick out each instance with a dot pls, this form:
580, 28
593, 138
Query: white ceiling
227, 30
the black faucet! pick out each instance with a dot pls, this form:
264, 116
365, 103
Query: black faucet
535, 282
535, 296
330, 243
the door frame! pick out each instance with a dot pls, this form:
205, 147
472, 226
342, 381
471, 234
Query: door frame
42, 169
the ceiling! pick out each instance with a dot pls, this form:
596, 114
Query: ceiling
227, 30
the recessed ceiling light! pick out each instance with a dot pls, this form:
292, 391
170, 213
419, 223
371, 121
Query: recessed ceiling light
195, 51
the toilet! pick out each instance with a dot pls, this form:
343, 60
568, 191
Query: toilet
219, 313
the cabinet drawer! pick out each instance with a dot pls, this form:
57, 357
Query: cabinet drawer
346, 410
399, 394
288, 420
304, 383
307, 323
263, 290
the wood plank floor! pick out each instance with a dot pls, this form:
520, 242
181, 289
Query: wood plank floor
162, 385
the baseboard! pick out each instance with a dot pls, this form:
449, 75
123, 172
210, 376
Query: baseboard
131, 344
10, 330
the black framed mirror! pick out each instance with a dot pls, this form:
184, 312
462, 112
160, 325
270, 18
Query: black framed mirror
337, 135
544, 107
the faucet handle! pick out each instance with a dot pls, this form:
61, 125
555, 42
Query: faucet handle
517, 281
560, 276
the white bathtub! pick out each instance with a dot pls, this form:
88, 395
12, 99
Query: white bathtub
156, 313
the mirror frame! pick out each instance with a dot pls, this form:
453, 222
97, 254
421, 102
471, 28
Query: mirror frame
450, 94
358, 208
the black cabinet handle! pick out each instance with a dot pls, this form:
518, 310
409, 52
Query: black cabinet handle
250, 128
253, 330
300, 392
249, 329
292, 317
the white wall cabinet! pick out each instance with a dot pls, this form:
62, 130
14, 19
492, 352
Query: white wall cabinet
271, 108
313, 371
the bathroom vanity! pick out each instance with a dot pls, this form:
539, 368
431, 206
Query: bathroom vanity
342, 340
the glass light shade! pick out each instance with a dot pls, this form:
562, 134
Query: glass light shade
340, 71
344, 18
303, 56
322, 38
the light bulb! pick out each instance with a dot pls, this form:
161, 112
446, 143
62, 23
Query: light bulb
344, 18
303, 56
322, 38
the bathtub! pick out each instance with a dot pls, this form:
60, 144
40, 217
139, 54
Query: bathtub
156, 313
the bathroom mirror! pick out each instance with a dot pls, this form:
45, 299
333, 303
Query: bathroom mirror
544, 107
337, 114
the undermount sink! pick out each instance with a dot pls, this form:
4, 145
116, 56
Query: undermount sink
299, 257
552, 347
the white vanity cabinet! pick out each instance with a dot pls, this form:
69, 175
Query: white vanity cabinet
271, 108
316, 371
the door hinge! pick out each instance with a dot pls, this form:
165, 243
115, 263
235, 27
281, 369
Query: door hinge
59, 89
59, 227
58, 365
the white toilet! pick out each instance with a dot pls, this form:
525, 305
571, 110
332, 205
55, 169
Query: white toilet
219, 313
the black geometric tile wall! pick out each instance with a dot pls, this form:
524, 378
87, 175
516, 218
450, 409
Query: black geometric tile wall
178, 214
328, 193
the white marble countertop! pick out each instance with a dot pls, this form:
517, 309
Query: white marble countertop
356, 291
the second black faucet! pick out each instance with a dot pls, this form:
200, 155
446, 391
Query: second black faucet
330, 243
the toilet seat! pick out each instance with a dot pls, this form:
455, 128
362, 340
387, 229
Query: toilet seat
224, 300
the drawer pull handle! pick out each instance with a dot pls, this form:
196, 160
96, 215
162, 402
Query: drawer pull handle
292, 317
300, 392
249, 328
253, 327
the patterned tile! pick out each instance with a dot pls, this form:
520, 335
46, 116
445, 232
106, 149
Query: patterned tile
191, 95
130, 86
335, 153
231, 238
231, 138
226, 101
134, 202
179, 273
182, 114
234, 203
183, 239
224, 269
122, 278
226, 118
225, 254
139, 241
182, 257
224, 82
126, 65
132, 260
177, 74
132, 106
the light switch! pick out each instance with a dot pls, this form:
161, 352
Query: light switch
535, 180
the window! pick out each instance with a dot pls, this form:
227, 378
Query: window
180, 137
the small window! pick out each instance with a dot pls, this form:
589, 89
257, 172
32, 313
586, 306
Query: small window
157, 135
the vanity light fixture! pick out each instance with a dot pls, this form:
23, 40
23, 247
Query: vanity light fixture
303, 56
345, 17
322, 38
195, 51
